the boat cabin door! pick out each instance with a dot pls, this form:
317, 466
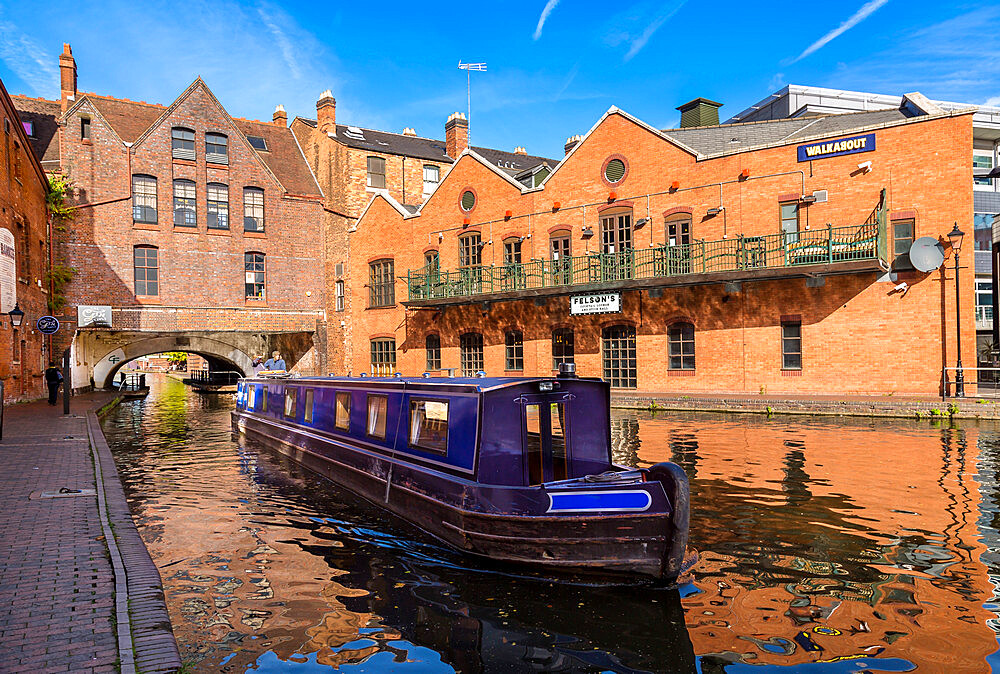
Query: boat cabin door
543, 437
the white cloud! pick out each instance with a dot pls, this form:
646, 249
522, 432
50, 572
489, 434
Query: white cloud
29, 61
271, 18
993, 101
859, 16
635, 25
549, 6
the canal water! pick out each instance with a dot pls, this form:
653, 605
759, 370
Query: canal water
826, 545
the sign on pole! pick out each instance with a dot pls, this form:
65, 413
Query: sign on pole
47, 325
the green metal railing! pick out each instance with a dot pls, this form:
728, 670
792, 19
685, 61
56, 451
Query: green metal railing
741, 253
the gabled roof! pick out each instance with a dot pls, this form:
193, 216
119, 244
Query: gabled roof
43, 115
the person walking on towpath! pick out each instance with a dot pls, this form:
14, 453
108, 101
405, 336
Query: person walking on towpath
53, 377
275, 362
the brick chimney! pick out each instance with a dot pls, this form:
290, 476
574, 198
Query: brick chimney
699, 112
326, 112
409, 131
456, 134
520, 150
67, 76
280, 117
572, 142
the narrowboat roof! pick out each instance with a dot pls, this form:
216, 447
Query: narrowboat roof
480, 384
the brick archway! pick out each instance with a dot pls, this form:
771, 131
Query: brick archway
112, 361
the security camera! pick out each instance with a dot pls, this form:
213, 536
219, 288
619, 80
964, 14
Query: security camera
902, 287
865, 166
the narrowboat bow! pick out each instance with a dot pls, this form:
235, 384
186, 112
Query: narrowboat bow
513, 469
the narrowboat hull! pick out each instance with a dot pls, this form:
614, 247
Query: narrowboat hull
508, 524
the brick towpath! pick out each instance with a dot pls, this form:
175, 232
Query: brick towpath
58, 592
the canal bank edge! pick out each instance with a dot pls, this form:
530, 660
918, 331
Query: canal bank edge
854, 406
145, 637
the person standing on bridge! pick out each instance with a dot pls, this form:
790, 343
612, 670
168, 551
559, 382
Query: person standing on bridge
53, 377
275, 362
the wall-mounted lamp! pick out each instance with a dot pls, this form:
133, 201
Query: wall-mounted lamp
556, 206
465, 222
714, 211
807, 199
507, 215
744, 174
588, 232
16, 316
440, 237
612, 195
640, 222
676, 185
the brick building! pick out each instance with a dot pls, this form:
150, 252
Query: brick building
725, 258
351, 163
24, 259
191, 225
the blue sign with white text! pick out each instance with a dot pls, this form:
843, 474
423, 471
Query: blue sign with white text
835, 148
47, 325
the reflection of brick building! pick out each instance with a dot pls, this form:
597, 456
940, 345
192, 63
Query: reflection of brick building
24, 258
738, 265
351, 163
188, 219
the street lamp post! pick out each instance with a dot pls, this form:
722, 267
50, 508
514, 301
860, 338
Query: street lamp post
955, 236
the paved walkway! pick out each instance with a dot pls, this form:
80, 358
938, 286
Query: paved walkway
60, 607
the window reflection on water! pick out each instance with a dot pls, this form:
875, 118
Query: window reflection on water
837, 541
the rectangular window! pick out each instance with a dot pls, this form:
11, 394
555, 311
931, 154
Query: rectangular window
252, 397
147, 270
433, 346
85, 128
185, 214
338, 295
790, 221
29, 128
902, 239
378, 407
381, 289
791, 345
343, 415
307, 406
432, 176
471, 353
562, 347
376, 172
253, 209
429, 425
514, 350
985, 162
216, 148
253, 264
559, 250
291, 396
263, 398
182, 143
680, 340
470, 251
144, 199
218, 206
619, 356
383, 356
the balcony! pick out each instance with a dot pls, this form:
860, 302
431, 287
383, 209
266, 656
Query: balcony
830, 250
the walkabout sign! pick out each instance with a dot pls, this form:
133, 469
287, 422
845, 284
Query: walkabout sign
835, 148
595, 303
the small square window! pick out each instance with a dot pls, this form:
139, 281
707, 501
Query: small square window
342, 418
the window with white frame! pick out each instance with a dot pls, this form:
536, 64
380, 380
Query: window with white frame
432, 176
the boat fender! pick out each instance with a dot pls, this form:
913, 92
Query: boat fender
675, 486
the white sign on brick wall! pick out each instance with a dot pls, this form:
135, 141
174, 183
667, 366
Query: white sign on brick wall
595, 303
96, 316
8, 271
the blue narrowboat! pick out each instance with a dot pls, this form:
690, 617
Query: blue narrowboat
512, 469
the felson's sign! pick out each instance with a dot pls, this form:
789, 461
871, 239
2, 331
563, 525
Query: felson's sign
835, 148
595, 303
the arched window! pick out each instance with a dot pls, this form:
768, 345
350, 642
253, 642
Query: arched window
470, 261
185, 214
562, 347
680, 339
514, 350
470, 346
147, 271
381, 289
677, 234
218, 206
253, 209
144, 199
513, 272
253, 264
616, 244
182, 143
619, 356
433, 344
559, 252
216, 148
383, 356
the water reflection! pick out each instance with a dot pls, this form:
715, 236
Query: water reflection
844, 546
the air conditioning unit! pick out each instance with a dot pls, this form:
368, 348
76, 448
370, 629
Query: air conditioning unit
821, 196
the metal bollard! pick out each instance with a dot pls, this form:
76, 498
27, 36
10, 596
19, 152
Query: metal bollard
1, 408
67, 385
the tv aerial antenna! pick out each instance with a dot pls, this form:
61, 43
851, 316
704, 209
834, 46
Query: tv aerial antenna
468, 68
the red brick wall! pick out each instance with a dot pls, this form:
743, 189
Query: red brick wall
23, 354
858, 335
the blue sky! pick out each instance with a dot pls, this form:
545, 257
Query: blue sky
553, 66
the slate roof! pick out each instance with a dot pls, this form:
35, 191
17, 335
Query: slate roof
130, 119
43, 115
429, 148
713, 140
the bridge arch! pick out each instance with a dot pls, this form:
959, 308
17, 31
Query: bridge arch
113, 360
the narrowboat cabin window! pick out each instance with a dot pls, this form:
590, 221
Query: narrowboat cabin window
545, 442
377, 409
291, 395
252, 398
307, 406
429, 425
263, 398
343, 417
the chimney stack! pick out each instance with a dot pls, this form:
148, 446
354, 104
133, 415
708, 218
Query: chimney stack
699, 112
280, 117
326, 112
67, 76
456, 134
409, 131
571, 142
520, 150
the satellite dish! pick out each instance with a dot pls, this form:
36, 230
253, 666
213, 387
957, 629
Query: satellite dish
926, 253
